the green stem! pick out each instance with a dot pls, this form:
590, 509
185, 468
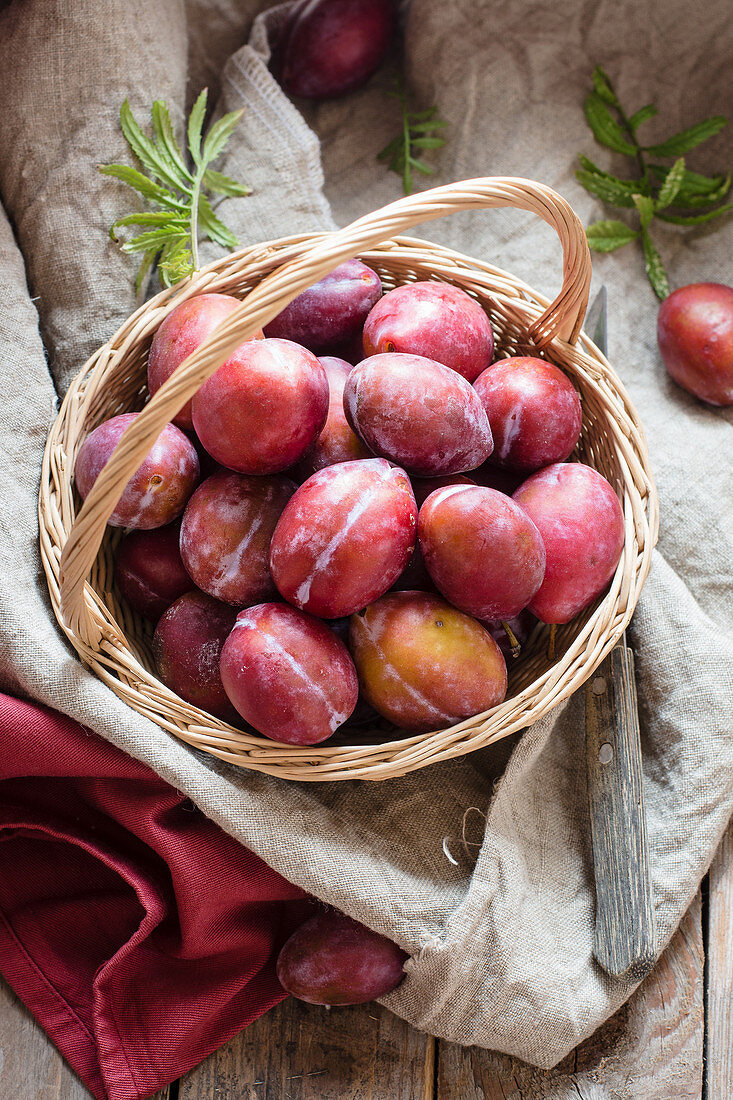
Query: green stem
643, 166
195, 195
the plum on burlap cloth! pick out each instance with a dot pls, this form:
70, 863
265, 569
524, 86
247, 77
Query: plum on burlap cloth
501, 948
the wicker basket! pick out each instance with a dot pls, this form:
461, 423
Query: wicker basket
77, 546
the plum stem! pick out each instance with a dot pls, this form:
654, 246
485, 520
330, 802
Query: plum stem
551, 642
514, 642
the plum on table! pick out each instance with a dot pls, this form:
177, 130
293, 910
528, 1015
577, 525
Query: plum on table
695, 336
334, 960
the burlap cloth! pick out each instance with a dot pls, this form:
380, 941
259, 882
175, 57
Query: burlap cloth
501, 950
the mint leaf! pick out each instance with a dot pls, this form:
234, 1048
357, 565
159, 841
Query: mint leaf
607, 236
688, 139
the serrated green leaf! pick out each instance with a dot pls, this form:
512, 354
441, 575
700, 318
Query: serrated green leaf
166, 139
154, 239
654, 267
147, 262
145, 150
697, 219
219, 135
672, 183
224, 185
589, 166
642, 115
645, 206
175, 263
603, 87
604, 126
141, 183
607, 236
697, 190
146, 217
688, 139
182, 196
418, 132
608, 188
693, 181
213, 227
422, 127
428, 143
196, 125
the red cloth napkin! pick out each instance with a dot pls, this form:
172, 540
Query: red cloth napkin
139, 934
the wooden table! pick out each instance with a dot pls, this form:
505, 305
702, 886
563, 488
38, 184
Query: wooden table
671, 1041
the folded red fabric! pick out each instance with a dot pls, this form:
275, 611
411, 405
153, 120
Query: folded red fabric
139, 934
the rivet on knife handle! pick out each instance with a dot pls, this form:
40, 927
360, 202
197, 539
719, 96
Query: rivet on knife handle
625, 932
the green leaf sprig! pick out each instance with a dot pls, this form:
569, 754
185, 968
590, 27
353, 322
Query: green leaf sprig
670, 193
181, 192
418, 132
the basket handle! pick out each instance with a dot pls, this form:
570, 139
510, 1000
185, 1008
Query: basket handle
562, 319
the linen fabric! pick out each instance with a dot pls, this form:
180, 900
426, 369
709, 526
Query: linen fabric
501, 942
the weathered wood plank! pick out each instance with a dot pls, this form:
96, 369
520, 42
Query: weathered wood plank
30, 1065
651, 1049
303, 1052
625, 932
719, 1039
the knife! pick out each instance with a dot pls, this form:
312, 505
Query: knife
624, 939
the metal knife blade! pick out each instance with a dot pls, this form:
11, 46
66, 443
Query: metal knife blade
624, 940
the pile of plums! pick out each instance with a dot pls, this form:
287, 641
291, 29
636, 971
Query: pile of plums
381, 500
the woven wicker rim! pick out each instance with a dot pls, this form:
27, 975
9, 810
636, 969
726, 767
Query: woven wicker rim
108, 637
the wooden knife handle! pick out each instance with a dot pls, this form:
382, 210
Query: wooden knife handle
625, 931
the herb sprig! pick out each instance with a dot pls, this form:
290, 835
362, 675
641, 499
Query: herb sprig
418, 132
183, 194
670, 193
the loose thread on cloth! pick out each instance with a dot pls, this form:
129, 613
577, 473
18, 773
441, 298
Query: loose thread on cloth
466, 844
